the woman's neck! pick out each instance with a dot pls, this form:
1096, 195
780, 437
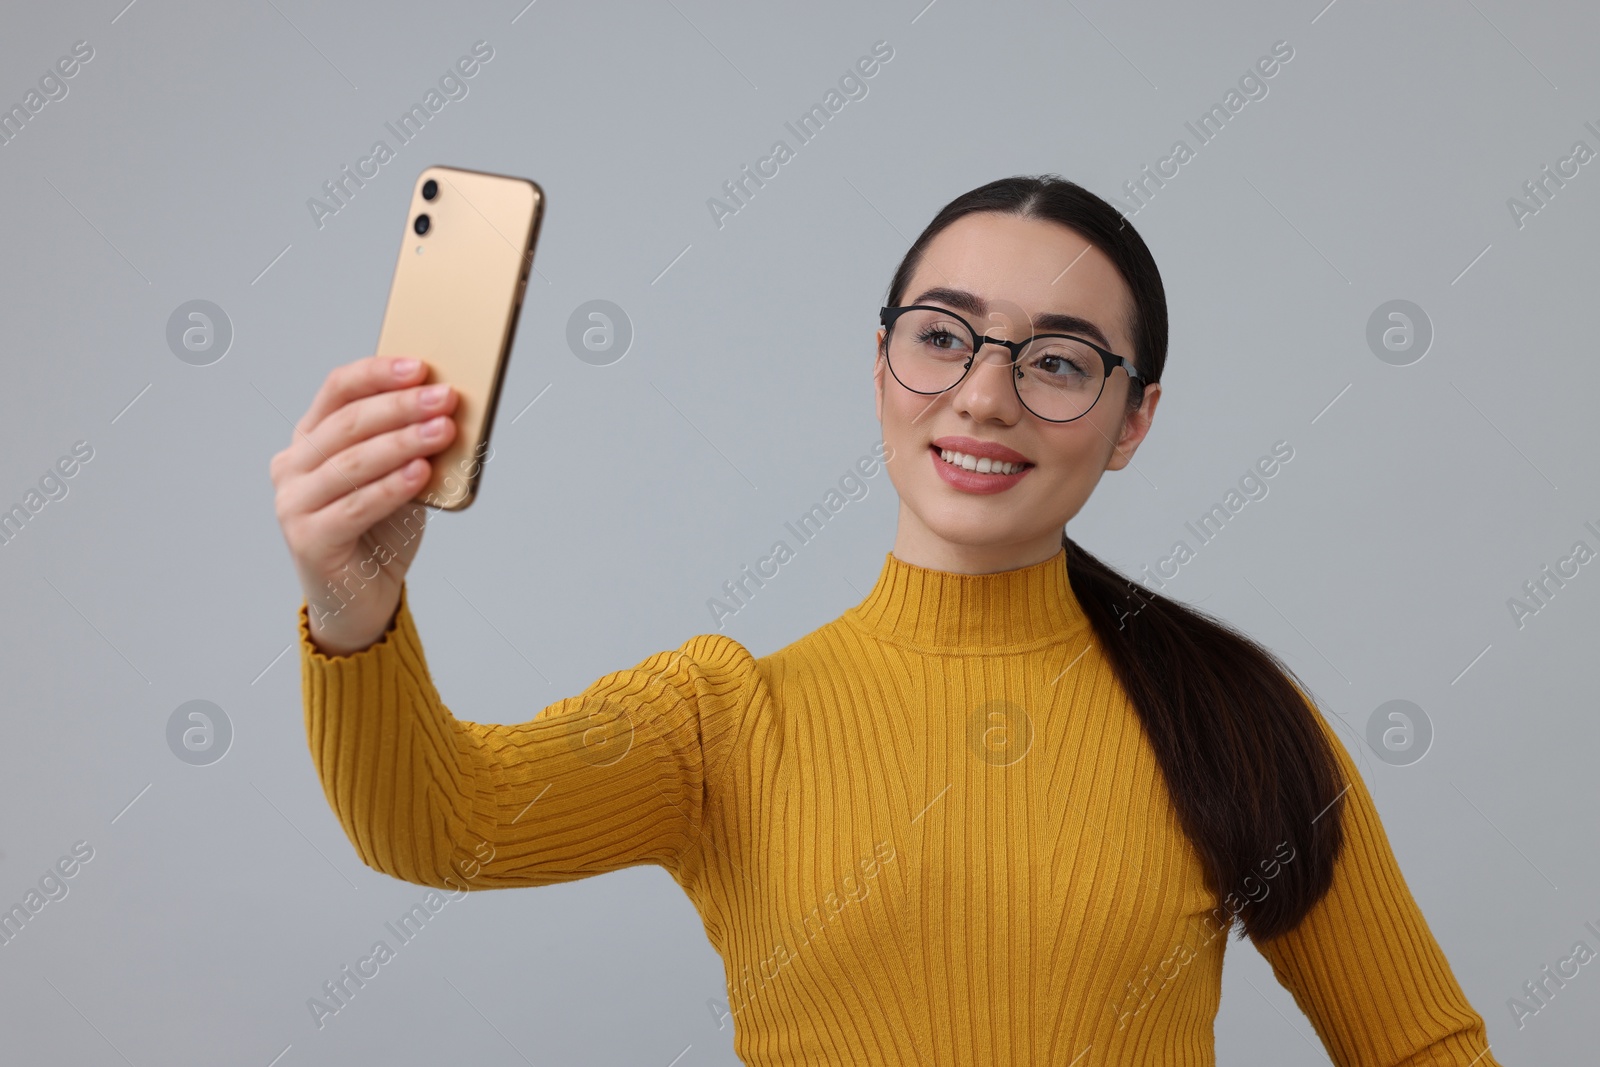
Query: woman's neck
916, 544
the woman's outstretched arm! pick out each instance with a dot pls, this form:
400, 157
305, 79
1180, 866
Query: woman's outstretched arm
618, 775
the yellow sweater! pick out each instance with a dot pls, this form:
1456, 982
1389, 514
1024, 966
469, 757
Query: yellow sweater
930, 832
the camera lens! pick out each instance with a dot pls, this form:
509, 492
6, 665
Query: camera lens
430, 189
421, 225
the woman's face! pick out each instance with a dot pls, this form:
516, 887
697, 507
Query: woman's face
1000, 273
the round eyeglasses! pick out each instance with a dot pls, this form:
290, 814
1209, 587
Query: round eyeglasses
1058, 376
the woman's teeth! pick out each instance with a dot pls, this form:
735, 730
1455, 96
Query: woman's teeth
984, 465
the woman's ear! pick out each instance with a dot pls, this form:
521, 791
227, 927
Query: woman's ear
1135, 424
880, 364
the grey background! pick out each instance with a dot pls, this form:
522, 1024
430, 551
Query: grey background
1419, 499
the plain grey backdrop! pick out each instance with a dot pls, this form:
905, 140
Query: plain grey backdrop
1432, 477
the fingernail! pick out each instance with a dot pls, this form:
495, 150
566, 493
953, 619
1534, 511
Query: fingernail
404, 367
434, 394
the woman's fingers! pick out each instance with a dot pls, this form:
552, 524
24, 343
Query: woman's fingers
369, 439
361, 378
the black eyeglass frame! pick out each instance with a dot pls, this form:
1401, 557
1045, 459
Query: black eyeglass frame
887, 317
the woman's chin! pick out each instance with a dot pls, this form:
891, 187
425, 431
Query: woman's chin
972, 527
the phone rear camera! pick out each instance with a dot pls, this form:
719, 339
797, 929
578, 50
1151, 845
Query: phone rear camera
430, 189
421, 225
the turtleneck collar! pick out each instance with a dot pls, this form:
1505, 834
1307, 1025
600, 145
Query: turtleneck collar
941, 611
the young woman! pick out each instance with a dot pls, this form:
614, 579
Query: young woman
1005, 810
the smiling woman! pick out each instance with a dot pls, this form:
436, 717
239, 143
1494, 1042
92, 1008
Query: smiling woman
1080, 792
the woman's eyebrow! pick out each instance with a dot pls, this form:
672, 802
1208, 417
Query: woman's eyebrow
1047, 322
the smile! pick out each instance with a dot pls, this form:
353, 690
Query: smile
982, 465
981, 475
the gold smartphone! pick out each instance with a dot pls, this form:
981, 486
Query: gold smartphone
454, 302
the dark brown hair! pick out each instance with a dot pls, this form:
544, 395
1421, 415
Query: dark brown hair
1246, 764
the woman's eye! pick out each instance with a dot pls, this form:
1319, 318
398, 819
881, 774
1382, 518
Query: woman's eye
1062, 360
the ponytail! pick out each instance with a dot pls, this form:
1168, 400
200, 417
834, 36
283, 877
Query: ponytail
1247, 767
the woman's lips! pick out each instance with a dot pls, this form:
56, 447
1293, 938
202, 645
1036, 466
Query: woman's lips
971, 481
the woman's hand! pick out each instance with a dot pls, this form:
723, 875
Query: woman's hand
357, 460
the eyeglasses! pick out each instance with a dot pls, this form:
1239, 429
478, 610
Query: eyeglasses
1058, 376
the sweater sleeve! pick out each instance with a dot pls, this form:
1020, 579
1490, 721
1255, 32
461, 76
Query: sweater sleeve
616, 776
1363, 965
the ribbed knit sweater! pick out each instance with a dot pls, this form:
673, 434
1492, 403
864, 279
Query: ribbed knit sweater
931, 831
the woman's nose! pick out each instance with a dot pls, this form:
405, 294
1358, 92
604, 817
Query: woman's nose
985, 390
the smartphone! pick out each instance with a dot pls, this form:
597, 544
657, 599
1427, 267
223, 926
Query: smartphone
454, 303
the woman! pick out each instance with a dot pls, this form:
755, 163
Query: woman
1004, 810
